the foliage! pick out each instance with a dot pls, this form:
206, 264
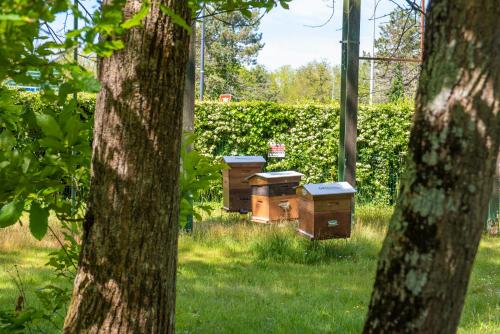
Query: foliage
309, 131
397, 90
399, 37
317, 81
39, 165
49, 147
45, 151
256, 85
310, 82
198, 172
311, 135
232, 40
50, 300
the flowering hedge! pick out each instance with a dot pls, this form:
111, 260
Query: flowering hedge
311, 135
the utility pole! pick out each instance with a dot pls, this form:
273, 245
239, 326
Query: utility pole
351, 110
372, 62
343, 78
202, 54
349, 91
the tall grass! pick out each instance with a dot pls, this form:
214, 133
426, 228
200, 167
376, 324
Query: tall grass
235, 276
18, 236
281, 243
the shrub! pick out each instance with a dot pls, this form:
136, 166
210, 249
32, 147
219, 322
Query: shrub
311, 135
309, 131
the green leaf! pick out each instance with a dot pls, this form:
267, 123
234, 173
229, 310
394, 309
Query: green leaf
7, 140
10, 17
10, 213
175, 18
137, 18
39, 220
49, 125
51, 143
284, 4
72, 130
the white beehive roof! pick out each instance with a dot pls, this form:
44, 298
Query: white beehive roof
334, 188
231, 160
271, 175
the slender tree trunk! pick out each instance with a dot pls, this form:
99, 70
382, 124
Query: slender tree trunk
189, 86
426, 260
126, 277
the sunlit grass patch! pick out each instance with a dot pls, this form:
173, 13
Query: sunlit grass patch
235, 276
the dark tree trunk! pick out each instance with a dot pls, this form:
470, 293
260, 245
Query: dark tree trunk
126, 277
427, 257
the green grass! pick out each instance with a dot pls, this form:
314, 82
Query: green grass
239, 277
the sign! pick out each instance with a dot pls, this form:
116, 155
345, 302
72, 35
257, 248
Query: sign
276, 150
225, 97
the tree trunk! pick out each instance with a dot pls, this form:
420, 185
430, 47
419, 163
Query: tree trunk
189, 86
426, 260
126, 277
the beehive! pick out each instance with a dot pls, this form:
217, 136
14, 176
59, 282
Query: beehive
274, 196
236, 189
325, 210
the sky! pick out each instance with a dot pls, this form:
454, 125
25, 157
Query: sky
288, 40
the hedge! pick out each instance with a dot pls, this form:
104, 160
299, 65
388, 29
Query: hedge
311, 135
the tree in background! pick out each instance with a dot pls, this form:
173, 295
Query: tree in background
397, 89
427, 256
232, 41
256, 85
316, 81
400, 37
310, 82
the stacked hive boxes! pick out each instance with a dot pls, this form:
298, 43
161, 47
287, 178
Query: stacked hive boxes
236, 190
325, 210
274, 197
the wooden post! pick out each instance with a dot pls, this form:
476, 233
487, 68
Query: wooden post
349, 91
343, 75
351, 109
188, 100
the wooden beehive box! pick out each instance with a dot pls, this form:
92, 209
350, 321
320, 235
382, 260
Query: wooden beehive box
236, 189
274, 196
325, 210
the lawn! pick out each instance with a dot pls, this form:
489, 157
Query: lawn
239, 277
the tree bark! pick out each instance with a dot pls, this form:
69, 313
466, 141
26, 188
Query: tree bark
427, 256
126, 277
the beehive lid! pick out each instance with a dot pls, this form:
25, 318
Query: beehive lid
334, 188
275, 175
249, 159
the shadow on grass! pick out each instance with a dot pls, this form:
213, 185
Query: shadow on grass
270, 297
